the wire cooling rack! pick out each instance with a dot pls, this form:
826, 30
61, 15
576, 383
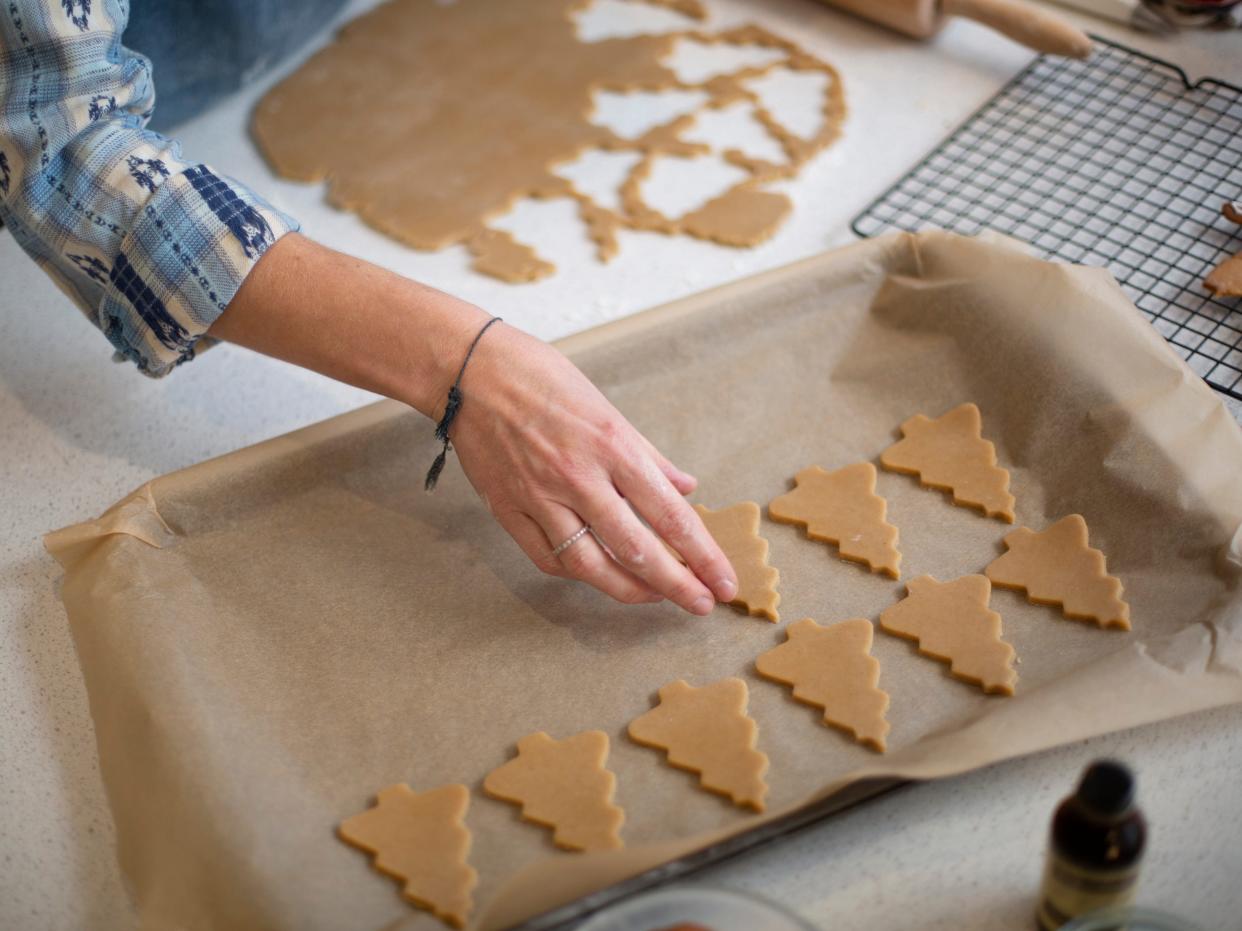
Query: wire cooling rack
1117, 161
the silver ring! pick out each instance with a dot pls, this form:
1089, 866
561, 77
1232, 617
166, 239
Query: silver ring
582, 532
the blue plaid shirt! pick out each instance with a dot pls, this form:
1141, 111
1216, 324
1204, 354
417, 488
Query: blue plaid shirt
152, 247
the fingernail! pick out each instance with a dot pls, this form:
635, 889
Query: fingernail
704, 605
726, 590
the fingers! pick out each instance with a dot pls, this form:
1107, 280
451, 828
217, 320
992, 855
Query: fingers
534, 543
635, 547
684, 482
653, 496
586, 560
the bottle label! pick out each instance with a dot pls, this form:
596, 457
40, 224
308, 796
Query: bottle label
1071, 890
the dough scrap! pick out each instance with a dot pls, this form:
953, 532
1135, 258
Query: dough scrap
419, 839
430, 120
736, 530
951, 621
694, 9
951, 454
1057, 567
832, 667
842, 507
563, 785
707, 731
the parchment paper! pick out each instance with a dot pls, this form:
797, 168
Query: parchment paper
270, 637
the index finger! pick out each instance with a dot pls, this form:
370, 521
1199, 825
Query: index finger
655, 499
637, 549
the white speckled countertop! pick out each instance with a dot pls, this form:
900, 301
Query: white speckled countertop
77, 432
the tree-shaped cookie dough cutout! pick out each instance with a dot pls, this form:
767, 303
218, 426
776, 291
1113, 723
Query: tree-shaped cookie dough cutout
951, 621
736, 530
833, 669
419, 839
1057, 567
707, 731
951, 454
842, 507
564, 785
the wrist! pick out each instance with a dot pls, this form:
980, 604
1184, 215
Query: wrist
443, 329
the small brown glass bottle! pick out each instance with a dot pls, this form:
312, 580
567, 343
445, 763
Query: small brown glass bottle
1096, 847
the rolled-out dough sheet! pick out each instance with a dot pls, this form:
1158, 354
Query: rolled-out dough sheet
431, 119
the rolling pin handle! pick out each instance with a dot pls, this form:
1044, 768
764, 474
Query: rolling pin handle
1024, 23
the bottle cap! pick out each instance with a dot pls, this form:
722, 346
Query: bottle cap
1107, 787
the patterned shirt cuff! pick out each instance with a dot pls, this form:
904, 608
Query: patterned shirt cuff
193, 244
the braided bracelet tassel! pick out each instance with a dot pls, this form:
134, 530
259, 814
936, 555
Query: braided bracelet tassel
455, 398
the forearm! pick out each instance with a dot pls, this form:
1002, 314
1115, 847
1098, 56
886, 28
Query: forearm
352, 321
542, 446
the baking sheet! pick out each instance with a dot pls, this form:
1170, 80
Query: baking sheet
270, 637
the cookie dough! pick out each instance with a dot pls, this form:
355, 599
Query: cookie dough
691, 8
1226, 278
707, 731
419, 839
736, 530
432, 119
951, 621
842, 507
951, 454
1057, 567
832, 668
563, 785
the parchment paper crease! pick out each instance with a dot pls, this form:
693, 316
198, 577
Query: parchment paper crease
270, 637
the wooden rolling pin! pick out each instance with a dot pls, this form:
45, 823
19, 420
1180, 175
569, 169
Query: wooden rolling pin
1033, 27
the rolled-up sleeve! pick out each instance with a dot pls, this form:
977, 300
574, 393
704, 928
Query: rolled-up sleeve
151, 246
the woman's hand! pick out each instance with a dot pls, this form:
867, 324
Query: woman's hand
540, 444
548, 454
